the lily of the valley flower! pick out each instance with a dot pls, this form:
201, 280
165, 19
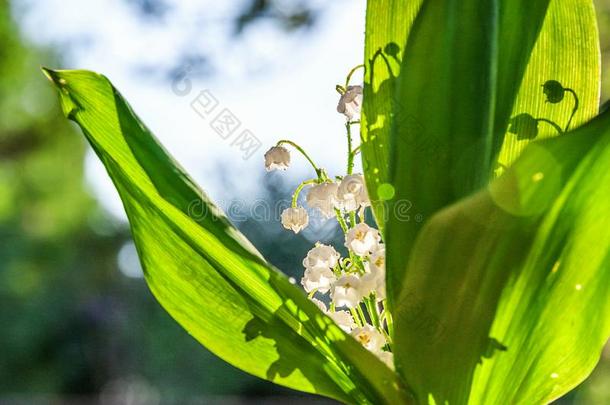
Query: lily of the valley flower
377, 260
369, 337
373, 281
343, 319
352, 193
362, 239
319, 278
346, 291
374, 278
350, 102
323, 197
319, 304
277, 158
321, 256
387, 358
295, 219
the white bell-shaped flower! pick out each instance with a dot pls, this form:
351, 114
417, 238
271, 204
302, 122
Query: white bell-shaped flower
373, 281
277, 158
318, 278
321, 256
369, 337
352, 193
323, 197
362, 239
346, 291
343, 319
387, 358
319, 304
295, 219
350, 102
377, 260
376, 272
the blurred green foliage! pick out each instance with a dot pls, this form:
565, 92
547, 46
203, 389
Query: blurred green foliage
71, 321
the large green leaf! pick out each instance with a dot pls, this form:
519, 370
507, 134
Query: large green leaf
206, 274
387, 25
507, 293
463, 67
567, 50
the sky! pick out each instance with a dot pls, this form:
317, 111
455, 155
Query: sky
278, 85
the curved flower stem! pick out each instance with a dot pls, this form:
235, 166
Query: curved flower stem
576, 105
300, 187
297, 147
350, 74
554, 125
356, 150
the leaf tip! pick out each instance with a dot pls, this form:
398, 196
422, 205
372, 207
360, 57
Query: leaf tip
53, 76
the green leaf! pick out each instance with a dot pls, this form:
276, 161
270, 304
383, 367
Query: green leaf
206, 274
506, 297
453, 85
463, 67
567, 51
387, 25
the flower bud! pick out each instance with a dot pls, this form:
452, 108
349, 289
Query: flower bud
346, 291
350, 102
321, 256
344, 319
324, 198
295, 219
369, 337
352, 193
318, 278
362, 239
277, 158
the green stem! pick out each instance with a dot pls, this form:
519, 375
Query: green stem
297, 147
389, 321
352, 219
355, 316
372, 310
341, 220
350, 74
350, 154
361, 314
295, 195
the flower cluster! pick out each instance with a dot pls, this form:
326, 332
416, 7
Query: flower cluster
349, 289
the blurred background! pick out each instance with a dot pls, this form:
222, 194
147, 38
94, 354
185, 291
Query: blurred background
77, 322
